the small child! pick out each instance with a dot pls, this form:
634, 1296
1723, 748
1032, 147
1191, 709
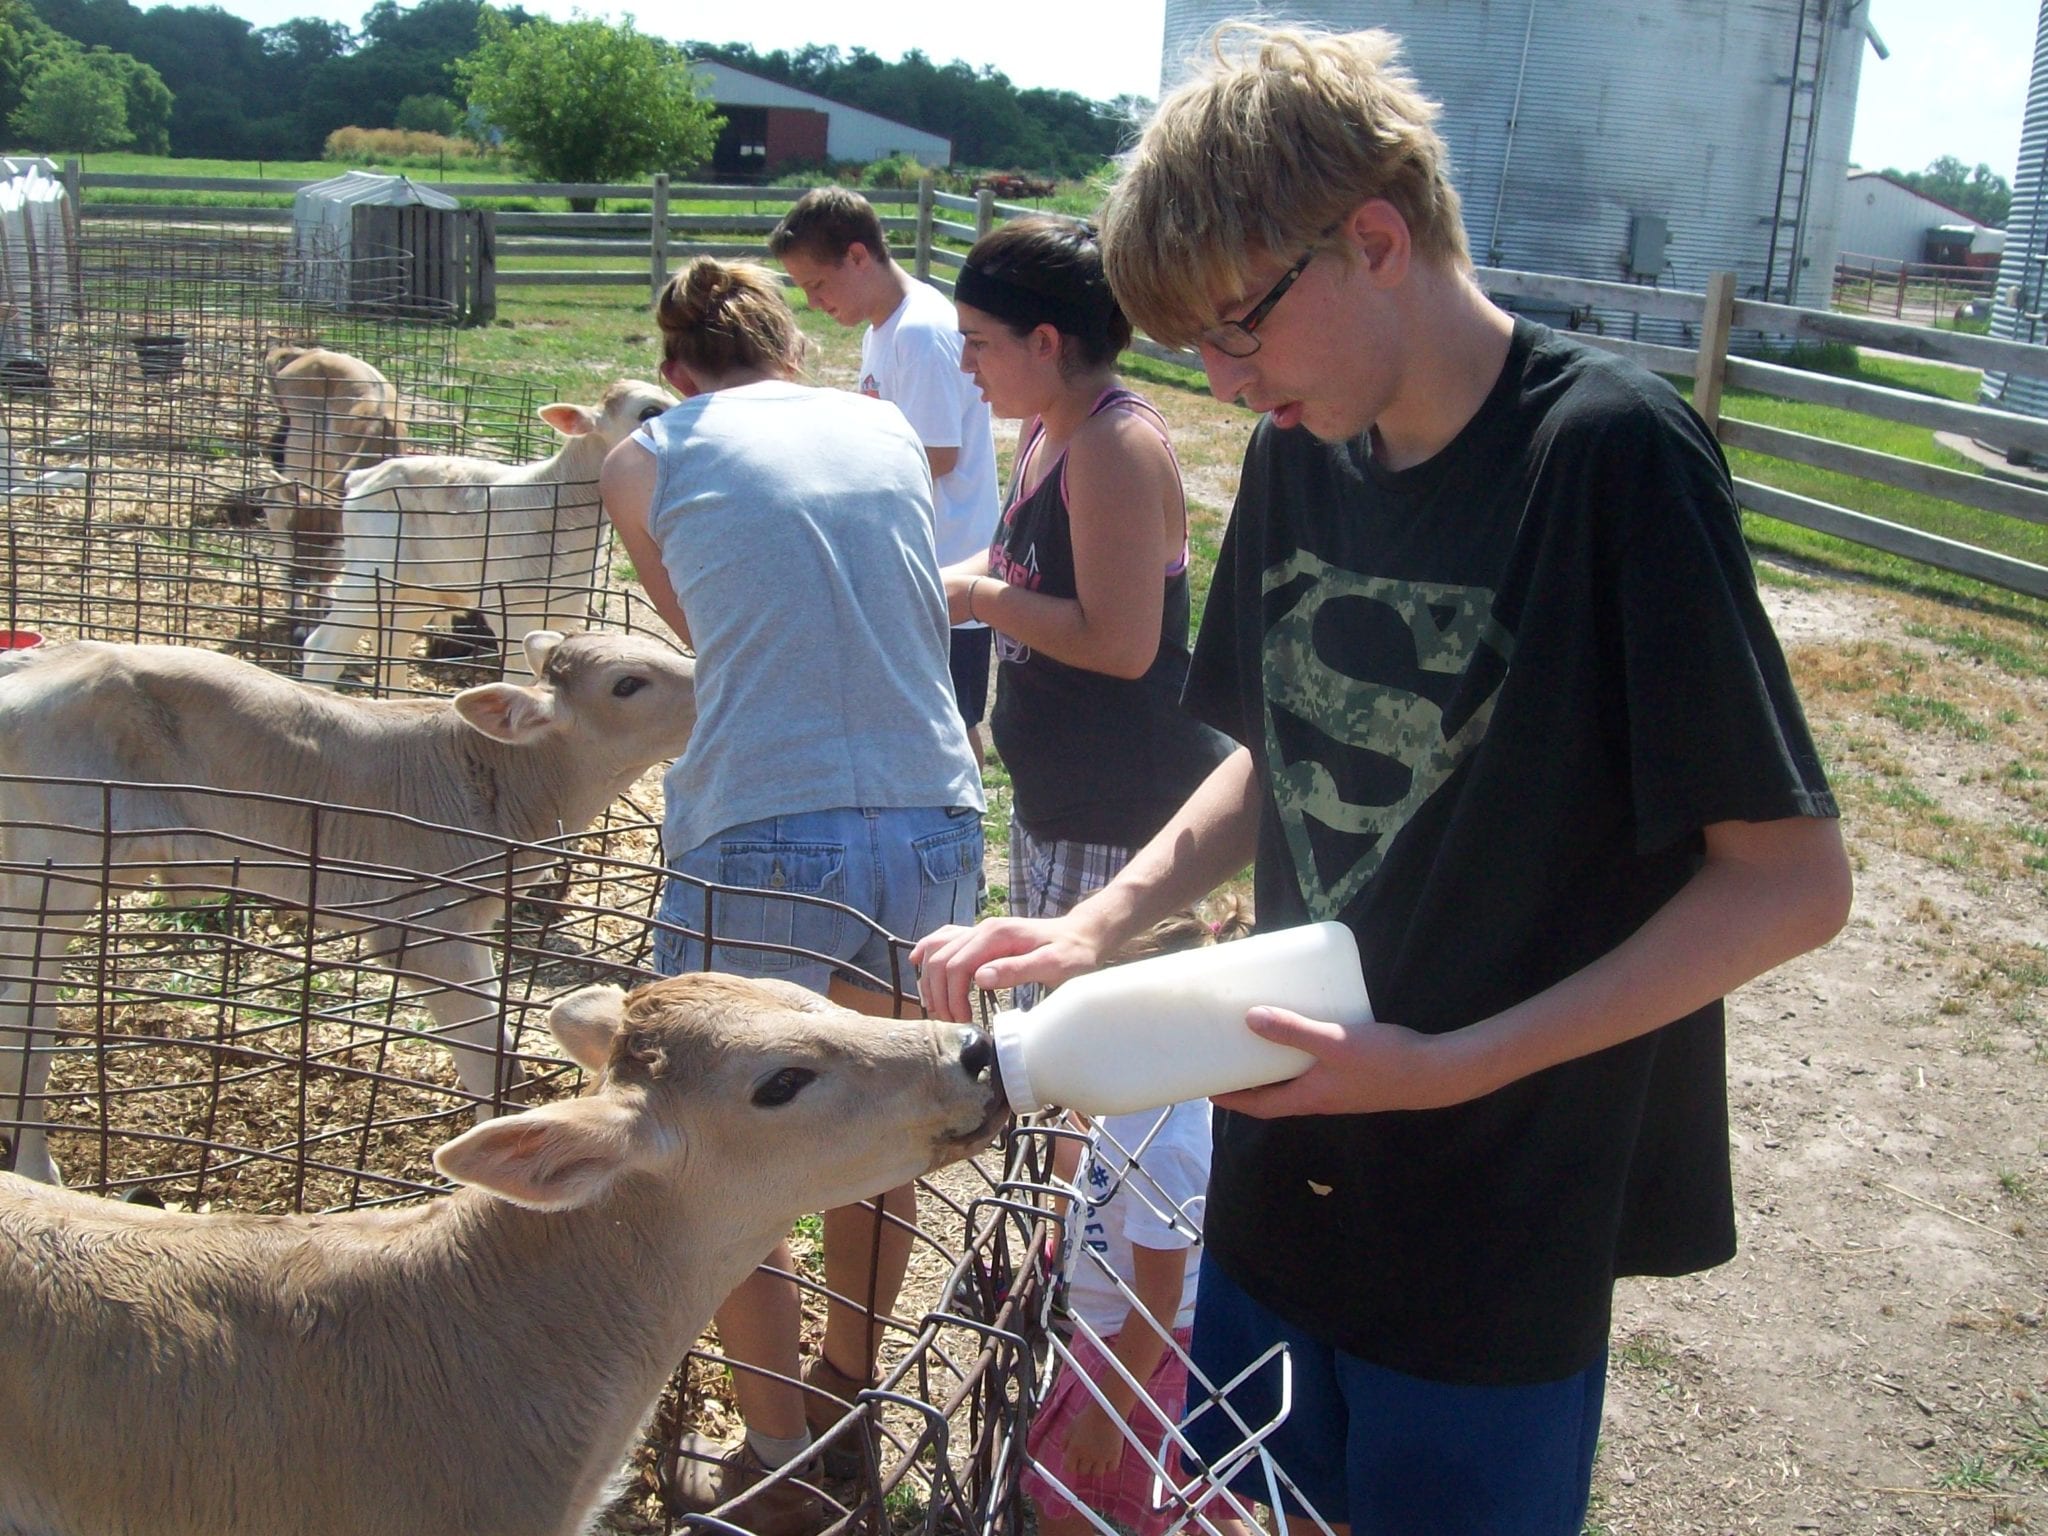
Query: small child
1141, 1187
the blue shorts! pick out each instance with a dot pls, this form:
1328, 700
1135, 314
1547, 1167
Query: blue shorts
894, 875
1392, 1454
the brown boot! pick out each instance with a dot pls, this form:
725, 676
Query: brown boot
708, 1474
829, 1395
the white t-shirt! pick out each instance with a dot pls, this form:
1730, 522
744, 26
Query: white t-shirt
1147, 1193
912, 360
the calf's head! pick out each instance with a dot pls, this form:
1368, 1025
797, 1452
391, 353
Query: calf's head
753, 1091
626, 700
625, 405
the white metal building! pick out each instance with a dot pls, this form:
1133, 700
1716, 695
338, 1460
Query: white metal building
1649, 141
2021, 310
1888, 220
768, 122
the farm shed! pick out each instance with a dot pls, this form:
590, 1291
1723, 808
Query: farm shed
1625, 140
413, 230
1883, 217
769, 124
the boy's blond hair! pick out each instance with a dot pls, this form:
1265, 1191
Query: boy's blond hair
1279, 136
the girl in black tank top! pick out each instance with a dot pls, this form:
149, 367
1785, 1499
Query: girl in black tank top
1086, 583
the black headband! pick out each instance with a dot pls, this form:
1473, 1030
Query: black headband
1014, 304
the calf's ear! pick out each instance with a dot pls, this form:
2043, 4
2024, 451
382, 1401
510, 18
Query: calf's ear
554, 1158
569, 420
540, 645
586, 1022
507, 712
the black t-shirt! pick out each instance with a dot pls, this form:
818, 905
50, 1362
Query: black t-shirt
1492, 700
1092, 758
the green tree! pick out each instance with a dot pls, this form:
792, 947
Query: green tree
429, 114
585, 100
145, 98
1982, 193
71, 105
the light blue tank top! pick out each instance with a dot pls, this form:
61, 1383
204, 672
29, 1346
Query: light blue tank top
796, 526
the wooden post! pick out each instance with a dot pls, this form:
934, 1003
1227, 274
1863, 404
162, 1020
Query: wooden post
984, 212
1710, 371
922, 270
657, 242
74, 222
486, 309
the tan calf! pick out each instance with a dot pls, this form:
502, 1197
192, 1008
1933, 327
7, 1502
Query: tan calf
478, 1365
496, 762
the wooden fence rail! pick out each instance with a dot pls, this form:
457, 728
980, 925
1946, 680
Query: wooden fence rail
1699, 332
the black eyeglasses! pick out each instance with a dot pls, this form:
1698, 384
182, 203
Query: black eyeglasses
1240, 337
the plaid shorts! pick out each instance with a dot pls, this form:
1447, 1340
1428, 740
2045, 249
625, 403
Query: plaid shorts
1126, 1496
1049, 876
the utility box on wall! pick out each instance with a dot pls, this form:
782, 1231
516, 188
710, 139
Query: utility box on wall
1648, 235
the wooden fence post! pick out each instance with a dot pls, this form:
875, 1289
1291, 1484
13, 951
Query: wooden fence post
657, 239
1710, 371
923, 267
984, 212
480, 265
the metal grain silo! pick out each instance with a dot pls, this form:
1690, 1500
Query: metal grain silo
2020, 312
1650, 141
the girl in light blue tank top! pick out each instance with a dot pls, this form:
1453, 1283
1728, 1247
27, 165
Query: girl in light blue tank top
785, 532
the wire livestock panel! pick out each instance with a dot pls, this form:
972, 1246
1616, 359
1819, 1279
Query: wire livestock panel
212, 1049
144, 473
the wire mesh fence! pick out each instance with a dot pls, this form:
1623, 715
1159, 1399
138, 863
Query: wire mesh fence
163, 482
219, 1050
270, 1022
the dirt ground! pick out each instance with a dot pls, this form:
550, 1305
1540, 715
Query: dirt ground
1875, 1359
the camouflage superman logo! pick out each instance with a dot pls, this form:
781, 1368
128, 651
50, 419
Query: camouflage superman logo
1449, 626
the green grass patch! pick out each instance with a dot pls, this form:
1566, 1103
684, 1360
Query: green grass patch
1970, 1474
1987, 530
2012, 659
1919, 712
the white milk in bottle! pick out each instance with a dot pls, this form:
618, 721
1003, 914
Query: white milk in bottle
1170, 1028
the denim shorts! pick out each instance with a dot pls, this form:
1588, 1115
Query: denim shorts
878, 876
1392, 1454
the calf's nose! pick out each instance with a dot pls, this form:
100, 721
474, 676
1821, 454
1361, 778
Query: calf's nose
977, 1052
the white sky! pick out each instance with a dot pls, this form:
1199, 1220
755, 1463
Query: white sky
1955, 84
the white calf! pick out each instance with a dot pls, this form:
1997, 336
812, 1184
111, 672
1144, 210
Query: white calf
497, 762
430, 534
478, 1365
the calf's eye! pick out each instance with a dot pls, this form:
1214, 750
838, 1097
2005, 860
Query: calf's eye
783, 1086
626, 687
652, 411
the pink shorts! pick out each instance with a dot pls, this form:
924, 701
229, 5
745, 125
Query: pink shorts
1126, 1495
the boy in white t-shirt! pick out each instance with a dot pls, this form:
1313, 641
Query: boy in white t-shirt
832, 244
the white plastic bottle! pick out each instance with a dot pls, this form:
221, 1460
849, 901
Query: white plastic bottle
1170, 1028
